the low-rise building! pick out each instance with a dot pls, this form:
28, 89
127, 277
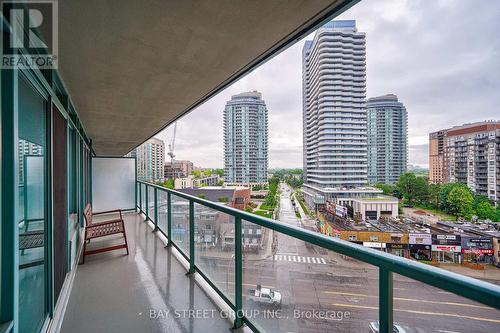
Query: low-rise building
192, 182
236, 197
479, 242
390, 237
374, 208
217, 229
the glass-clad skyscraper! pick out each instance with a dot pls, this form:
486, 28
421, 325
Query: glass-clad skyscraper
245, 139
387, 121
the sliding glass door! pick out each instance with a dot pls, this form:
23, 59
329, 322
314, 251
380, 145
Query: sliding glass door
32, 222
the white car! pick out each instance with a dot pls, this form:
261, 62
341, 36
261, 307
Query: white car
265, 295
374, 328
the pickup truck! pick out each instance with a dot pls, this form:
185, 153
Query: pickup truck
265, 296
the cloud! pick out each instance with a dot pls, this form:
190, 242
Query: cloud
419, 153
440, 57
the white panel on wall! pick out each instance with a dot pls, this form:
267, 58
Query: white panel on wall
113, 183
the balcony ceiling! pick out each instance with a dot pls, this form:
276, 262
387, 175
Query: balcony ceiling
133, 67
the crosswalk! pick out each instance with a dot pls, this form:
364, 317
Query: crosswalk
299, 259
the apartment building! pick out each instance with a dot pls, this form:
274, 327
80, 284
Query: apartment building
436, 157
191, 181
387, 124
182, 168
472, 157
467, 154
150, 160
245, 139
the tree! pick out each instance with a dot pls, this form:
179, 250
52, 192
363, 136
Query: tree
223, 199
421, 190
459, 201
386, 188
434, 191
219, 172
443, 195
485, 210
406, 186
169, 183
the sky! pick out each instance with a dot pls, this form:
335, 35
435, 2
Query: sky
441, 58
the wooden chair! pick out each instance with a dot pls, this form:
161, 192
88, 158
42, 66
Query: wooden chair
102, 229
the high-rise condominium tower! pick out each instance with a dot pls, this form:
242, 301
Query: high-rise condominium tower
387, 121
334, 109
245, 139
150, 160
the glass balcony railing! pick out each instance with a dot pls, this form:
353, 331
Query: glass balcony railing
311, 282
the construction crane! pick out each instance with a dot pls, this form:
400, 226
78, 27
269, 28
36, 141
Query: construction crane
171, 147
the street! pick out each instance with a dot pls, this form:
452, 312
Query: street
313, 279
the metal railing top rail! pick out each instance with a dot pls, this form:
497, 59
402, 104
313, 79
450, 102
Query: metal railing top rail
477, 290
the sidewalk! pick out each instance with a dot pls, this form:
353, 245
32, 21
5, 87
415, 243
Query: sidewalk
490, 272
304, 219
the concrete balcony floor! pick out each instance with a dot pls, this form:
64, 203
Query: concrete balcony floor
113, 292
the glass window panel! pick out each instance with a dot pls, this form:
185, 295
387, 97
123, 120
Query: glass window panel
293, 286
162, 211
419, 307
214, 242
180, 223
32, 189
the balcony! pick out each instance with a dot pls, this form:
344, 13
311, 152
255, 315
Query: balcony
113, 292
326, 275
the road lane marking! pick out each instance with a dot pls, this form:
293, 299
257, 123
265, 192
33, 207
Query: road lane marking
221, 283
410, 300
446, 331
420, 312
300, 259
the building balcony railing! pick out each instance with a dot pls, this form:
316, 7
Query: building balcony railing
244, 253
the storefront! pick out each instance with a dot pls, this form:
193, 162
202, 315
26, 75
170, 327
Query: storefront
420, 246
477, 249
398, 249
446, 248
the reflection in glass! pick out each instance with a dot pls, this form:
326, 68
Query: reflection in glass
32, 212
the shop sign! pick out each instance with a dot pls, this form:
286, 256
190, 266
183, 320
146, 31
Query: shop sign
336, 209
480, 240
446, 248
377, 245
397, 246
420, 247
420, 239
446, 239
478, 251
